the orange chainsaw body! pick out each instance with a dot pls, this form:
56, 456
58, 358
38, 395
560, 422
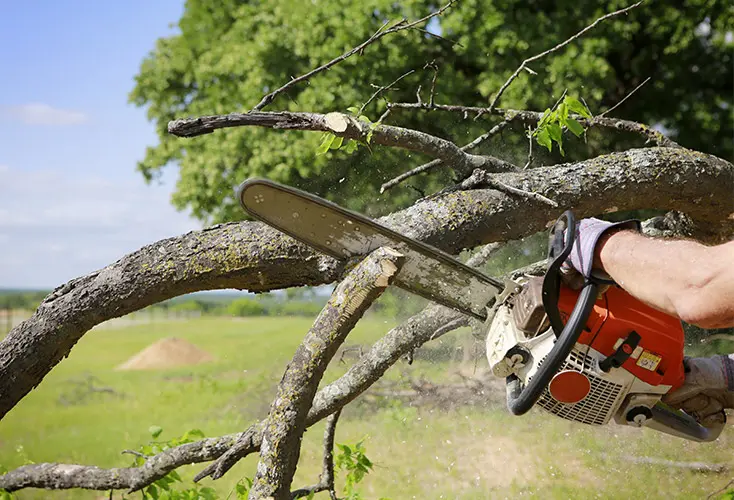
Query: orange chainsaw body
658, 359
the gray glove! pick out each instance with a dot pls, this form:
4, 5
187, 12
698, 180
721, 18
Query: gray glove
581, 259
708, 389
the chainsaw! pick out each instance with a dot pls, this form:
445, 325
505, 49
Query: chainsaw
584, 356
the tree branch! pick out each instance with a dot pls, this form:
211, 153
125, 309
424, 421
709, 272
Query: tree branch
436, 163
348, 127
557, 47
286, 423
255, 257
532, 118
400, 26
326, 480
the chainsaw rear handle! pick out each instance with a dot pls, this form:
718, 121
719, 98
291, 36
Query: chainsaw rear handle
519, 399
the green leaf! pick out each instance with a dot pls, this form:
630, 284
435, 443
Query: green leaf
152, 491
576, 106
337, 142
543, 138
354, 110
194, 433
575, 127
562, 112
173, 475
311, 495
545, 118
351, 146
155, 430
4, 495
325, 143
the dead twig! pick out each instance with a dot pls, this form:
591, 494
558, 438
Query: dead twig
624, 98
399, 26
326, 479
382, 89
483, 178
553, 49
436, 163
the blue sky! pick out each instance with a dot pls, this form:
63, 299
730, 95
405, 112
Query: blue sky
71, 200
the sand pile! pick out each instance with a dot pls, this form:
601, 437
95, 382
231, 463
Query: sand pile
166, 353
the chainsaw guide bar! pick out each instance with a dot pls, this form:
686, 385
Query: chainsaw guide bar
343, 234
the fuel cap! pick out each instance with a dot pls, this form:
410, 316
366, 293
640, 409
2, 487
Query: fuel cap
568, 386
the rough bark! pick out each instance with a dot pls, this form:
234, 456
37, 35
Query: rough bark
347, 127
255, 257
284, 427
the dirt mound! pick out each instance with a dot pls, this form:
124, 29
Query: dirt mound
167, 353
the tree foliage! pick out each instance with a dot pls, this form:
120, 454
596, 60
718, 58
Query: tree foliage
229, 53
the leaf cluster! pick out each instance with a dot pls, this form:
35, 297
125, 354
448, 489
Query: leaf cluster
553, 122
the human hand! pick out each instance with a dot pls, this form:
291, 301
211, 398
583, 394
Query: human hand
707, 391
579, 265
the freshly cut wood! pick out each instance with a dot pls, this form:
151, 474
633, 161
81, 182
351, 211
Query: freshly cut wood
167, 353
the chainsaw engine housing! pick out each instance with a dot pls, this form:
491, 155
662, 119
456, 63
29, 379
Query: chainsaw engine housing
630, 354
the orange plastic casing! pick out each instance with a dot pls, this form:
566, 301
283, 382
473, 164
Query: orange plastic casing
615, 314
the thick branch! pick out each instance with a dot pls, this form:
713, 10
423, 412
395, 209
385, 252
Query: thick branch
400, 26
531, 118
348, 127
284, 427
255, 257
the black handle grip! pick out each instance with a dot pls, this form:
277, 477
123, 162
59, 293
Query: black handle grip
519, 399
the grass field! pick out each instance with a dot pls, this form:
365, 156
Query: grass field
429, 452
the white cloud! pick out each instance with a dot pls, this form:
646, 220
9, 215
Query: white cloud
37, 113
55, 226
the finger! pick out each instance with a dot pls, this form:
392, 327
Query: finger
697, 404
714, 420
678, 397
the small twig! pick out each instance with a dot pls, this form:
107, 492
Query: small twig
434, 35
136, 453
722, 490
530, 148
557, 47
382, 89
431, 98
481, 177
435, 163
326, 479
400, 26
625, 97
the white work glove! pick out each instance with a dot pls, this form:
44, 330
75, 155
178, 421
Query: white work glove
708, 389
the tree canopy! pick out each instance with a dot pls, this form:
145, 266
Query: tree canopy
228, 54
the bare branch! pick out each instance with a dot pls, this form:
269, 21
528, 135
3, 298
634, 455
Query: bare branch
530, 148
286, 423
326, 480
532, 117
348, 127
557, 47
382, 89
436, 163
482, 178
400, 26
625, 97
67, 476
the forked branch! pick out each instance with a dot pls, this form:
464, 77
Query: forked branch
284, 427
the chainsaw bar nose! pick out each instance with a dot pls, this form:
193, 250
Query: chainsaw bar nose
568, 386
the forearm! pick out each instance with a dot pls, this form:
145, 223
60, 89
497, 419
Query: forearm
683, 278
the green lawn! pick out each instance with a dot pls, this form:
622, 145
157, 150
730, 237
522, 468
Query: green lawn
427, 452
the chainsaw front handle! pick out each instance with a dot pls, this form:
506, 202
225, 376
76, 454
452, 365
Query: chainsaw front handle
519, 399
